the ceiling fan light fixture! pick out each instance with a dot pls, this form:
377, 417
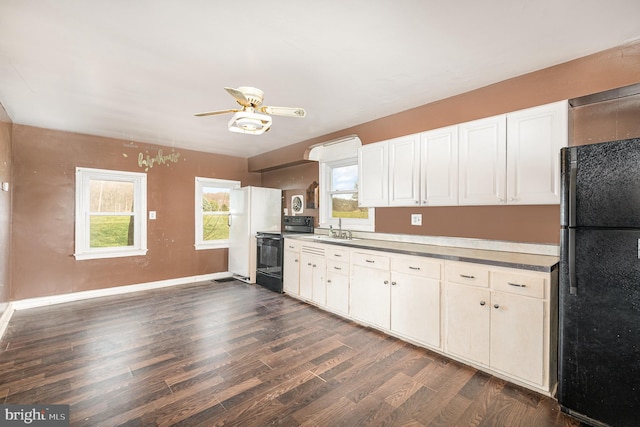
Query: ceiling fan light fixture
250, 123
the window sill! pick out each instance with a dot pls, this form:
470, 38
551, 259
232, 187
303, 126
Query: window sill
110, 254
205, 246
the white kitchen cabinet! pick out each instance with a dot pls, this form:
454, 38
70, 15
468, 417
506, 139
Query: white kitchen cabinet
313, 273
369, 299
439, 167
291, 267
482, 161
415, 299
338, 280
373, 175
499, 318
404, 171
534, 139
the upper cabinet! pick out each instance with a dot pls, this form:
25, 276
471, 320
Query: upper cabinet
439, 167
534, 139
512, 158
482, 161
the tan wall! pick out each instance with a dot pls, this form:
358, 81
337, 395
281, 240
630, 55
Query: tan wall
5, 207
537, 224
43, 212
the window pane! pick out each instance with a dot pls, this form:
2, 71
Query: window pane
215, 199
346, 206
344, 178
215, 227
108, 231
111, 196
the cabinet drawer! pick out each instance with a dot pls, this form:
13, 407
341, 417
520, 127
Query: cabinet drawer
338, 254
370, 260
515, 283
416, 265
337, 267
468, 274
292, 245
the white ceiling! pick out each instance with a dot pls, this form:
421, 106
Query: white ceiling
139, 69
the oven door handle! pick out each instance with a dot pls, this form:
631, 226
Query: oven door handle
269, 238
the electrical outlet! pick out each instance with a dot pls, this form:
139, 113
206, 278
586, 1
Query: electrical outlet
416, 219
152, 214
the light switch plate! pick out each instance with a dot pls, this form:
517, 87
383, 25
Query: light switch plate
152, 214
416, 219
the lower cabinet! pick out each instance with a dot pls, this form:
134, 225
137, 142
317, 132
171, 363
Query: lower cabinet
497, 319
500, 318
338, 281
312, 273
415, 299
291, 267
370, 299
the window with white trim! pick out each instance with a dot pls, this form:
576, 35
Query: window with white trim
212, 212
339, 197
111, 208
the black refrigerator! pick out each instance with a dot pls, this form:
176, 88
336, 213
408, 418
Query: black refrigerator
599, 294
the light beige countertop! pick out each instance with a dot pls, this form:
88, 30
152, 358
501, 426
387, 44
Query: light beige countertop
525, 261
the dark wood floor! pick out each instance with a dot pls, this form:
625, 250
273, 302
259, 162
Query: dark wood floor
229, 353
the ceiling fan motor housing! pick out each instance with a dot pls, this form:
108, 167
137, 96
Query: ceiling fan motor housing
252, 94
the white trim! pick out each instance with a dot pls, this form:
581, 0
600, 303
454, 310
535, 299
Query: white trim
82, 199
200, 184
117, 290
5, 318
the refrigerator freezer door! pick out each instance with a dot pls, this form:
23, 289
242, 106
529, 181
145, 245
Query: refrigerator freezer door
607, 185
599, 341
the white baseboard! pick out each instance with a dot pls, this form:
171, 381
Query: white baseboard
4, 319
76, 296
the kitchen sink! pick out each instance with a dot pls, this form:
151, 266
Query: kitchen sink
324, 238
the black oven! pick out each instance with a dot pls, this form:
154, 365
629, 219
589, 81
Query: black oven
270, 247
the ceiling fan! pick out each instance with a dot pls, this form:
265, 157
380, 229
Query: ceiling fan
253, 118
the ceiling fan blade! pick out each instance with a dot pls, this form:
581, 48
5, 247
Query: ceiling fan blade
239, 96
213, 113
283, 111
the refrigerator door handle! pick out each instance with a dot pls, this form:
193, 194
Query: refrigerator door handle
572, 186
571, 254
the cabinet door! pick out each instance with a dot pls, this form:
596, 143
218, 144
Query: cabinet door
338, 292
467, 325
482, 161
373, 175
319, 291
404, 171
306, 276
534, 139
517, 336
370, 295
291, 273
439, 167
415, 308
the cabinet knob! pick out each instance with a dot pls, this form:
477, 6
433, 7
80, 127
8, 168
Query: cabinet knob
309, 263
482, 303
386, 282
295, 260
314, 265
393, 283
496, 305
328, 280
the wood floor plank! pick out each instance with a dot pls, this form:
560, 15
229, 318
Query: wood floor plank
234, 354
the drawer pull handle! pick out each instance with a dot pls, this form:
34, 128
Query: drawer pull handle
291, 247
370, 261
314, 265
414, 268
338, 255
337, 268
517, 285
308, 263
466, 276
482, 303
